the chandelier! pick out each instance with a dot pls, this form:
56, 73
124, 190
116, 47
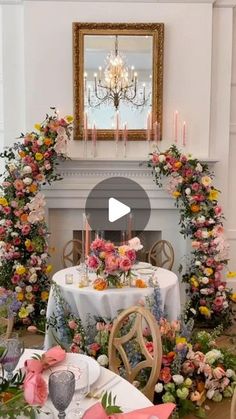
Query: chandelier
115, 84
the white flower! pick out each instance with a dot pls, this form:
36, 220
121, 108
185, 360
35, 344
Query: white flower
204, 280
26, 170
103, 360
220, 288
199, 167
135, 244
201, 219
18, 289
33, 278
212, 356
29, 288
178, 379
27, 181
159, 387
42, 312
204, 291
157, 169
210, 393
40, 141
225, 304
205, 234
193, 310
14, 234
30, 308
229, 373
162, 158
198, 263
188, 191
11, 167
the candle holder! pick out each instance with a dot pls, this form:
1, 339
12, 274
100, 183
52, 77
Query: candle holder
69, 279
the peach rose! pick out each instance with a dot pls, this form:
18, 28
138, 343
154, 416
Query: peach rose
35, 389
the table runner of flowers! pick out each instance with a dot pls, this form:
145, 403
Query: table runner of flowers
24, 250
193, 371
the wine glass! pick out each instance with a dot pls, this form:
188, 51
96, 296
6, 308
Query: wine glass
14, 349
81, 372
61, 390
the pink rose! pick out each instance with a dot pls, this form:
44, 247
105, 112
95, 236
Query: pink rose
207, 370
35, 389
98, 244
218, 373
155, 159
6, 210
218, 302
188, 367
198, 358
77, 338
195, 186
100, 326
94, 347
112, 263
131, 254
74, 348
125, 264
218, 210
2, 231
15, 279
135, 244
72, 324
93, 262
195, 244
149, 347
109, 247
25, 229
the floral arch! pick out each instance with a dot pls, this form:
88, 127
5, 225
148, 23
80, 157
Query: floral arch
24, 251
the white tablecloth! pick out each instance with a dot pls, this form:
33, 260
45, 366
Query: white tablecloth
106, 303
128, 397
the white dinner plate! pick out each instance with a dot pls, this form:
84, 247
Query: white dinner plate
73, 359
142, 265
146, 271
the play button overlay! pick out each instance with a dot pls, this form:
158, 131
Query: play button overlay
117, 210
118, 204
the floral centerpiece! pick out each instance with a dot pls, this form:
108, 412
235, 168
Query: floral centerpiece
112, 264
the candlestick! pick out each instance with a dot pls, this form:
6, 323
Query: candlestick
184, 134
176, 116
94, 140
87, 238
129, 229
148, 126
123, 237
125, 137
83, 237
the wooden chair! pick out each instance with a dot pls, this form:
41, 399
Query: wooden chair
8, 325
233, 406
72, 252
161, 254
116, 350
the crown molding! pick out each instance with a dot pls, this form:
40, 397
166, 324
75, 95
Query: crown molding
15, 2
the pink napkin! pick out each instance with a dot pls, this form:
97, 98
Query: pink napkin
162, 411
35, 388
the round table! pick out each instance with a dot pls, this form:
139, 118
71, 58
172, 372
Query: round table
128, 397
107, 303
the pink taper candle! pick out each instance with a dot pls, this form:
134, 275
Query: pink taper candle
184, 134
148, 126
94, 139
176, 116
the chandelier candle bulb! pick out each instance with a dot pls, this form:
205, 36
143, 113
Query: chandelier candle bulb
184, 134
176, 117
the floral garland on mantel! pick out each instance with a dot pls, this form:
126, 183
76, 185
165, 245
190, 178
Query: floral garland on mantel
190, 183
24, 251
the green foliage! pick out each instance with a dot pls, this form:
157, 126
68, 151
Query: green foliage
109, 404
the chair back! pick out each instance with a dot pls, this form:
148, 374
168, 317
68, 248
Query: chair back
162, 254
233, 406
116, 350
8, 325
72, 252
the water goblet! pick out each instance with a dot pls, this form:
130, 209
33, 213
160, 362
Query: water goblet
81, 372
15, 349
61, 390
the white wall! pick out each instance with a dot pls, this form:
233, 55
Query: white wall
187, 67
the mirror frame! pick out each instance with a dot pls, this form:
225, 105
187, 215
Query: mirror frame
156, 30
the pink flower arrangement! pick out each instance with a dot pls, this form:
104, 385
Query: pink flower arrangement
112, 262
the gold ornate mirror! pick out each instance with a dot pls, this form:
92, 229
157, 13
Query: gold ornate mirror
118, 80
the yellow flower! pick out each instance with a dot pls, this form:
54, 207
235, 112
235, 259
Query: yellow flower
233, 297
69, 118
231, 274
3, 201
44, 295
20, 296
29, 296
27, 243
48, 269
213, 195
180, 339
194, 282
23, 313
102, 255
122, 250
208, 271
206, 180
176, 194
37, 126
38, 156
20, 270
205, 311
